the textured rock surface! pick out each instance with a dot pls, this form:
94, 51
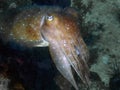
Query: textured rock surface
101, 27
102, 19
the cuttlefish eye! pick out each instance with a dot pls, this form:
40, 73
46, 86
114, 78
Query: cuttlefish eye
49, 18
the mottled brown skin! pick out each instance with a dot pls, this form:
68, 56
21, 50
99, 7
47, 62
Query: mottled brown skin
24, 28
60, 28
67, 47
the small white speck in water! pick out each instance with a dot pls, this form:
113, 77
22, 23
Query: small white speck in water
31, 40
11, 34
21, 38
1, 28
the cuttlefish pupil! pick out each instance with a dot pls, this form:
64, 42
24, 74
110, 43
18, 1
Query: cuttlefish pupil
49, 18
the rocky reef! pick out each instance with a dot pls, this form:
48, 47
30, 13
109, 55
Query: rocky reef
100, 23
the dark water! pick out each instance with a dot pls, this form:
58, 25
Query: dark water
61, 3
31, 67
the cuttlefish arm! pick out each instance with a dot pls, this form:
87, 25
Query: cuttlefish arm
66, 46
62, 63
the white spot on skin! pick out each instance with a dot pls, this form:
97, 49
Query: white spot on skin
54, 48
65, 61
67, 26
64, 43
28, 15
71, 41
70, 55
77, 50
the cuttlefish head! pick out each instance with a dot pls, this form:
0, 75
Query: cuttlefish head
66, 46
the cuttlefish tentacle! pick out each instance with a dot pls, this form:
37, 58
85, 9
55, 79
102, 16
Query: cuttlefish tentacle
76, 54
61, 61
67, 47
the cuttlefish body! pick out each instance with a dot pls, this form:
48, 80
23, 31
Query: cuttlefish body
59, 30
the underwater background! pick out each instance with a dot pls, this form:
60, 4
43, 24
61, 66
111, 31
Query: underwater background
33, 69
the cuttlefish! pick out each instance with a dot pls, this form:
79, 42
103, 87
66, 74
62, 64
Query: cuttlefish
52, 27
